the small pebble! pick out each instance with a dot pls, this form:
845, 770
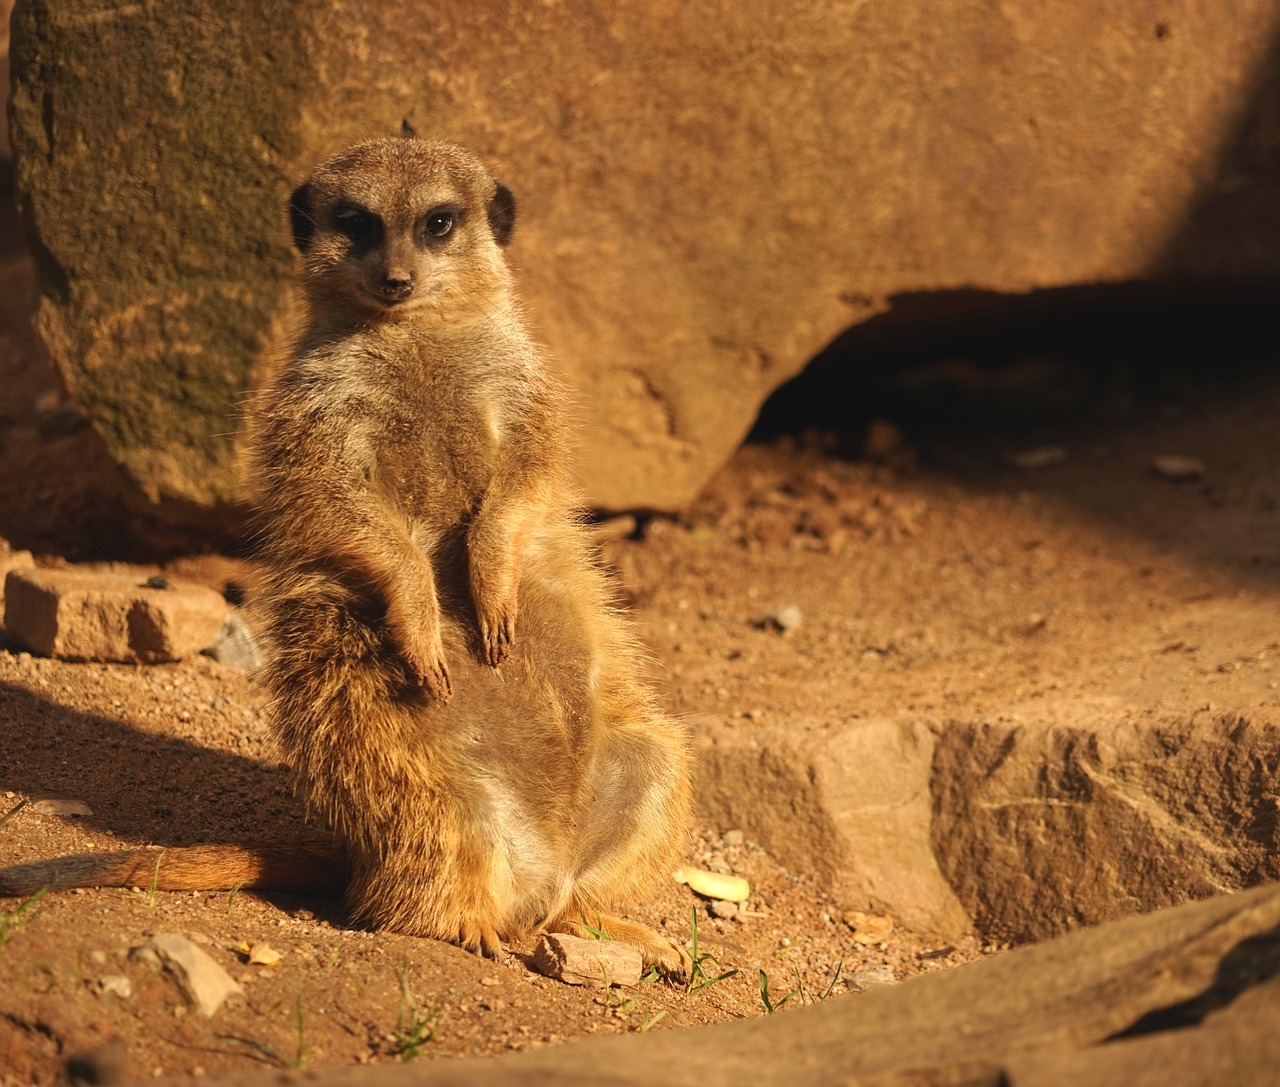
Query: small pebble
1032, 460
868, 928
1173, 466
73, 808
862, 980
784, 619
235, 645
734, 837
116, 985
718, 907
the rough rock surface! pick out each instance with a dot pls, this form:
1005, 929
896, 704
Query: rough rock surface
1023, 828
204, 983
575, 961
862, 793
99, 615
1079, 814
1107, 1006
710, 192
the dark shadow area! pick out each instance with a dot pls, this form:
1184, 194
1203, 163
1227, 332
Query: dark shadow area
946, 363
1247, 965
142, 787
135, 781
1235, 220
1103, 381
1183, 361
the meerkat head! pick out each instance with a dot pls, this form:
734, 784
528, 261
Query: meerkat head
404, 228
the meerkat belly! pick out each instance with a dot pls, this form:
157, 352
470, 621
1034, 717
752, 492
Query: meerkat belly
522, 736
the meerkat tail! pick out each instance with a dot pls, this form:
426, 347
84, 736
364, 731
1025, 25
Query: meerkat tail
314, 865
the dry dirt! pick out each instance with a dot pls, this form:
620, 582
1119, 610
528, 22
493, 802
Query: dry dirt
938, 579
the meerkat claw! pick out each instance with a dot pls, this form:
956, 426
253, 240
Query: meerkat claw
498, 638
480, 939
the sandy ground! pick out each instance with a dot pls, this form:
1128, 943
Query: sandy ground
937, 579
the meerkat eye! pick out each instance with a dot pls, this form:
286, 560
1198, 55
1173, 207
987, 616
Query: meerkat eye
438, 224
362, 226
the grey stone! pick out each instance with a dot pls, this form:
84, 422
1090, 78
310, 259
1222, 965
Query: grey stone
235, 646
204, 983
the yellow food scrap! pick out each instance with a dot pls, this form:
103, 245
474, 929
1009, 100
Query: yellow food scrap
714, 884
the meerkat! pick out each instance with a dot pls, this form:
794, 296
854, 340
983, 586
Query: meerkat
462, 704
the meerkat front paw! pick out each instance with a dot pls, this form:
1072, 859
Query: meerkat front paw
497, 634
426, 664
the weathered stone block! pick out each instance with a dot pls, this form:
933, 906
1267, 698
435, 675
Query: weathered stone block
849, 804
709, 193
1024, 828
1088, 812
79, 614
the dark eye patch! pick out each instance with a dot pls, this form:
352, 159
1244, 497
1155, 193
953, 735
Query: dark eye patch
435, 227
361, 225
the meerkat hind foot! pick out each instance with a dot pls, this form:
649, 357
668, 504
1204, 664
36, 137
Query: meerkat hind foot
480, 938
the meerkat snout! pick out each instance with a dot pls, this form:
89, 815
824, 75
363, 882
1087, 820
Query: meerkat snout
397, 285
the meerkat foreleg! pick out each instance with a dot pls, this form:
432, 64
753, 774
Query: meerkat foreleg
381, 551
413, 614
496, 541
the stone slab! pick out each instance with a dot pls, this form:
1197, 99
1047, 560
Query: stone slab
1022, 828
84, 614
1087, 811
848, 804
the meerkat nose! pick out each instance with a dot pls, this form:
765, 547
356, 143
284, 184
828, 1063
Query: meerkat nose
397, 286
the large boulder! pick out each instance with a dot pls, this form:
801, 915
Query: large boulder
710, 193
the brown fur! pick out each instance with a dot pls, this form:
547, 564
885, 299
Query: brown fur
460, 700
308, 864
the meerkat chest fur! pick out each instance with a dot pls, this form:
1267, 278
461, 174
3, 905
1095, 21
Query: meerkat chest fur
434, 419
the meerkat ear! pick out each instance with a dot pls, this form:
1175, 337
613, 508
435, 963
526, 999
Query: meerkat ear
300, 217
502, 214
